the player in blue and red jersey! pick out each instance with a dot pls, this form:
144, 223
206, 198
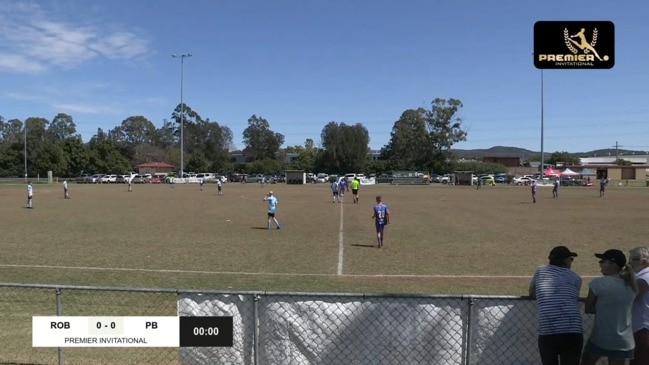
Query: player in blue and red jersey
381, 219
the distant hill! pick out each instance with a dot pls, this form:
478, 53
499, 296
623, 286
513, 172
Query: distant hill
496, 151
504, 151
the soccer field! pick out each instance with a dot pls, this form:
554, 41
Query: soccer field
442, 239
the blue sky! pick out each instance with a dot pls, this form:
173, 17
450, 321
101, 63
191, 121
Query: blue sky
301, 64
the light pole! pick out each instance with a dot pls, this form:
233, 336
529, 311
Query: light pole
25, 152
182, 112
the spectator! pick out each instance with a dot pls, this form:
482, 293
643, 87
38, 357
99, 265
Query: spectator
639, 260
610, 298
556, 290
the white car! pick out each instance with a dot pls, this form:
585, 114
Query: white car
322, 178
109, 179
525, 180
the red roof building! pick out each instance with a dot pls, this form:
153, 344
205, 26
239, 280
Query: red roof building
155, 168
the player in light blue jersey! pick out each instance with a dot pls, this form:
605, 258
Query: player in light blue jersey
381, 218
272, 208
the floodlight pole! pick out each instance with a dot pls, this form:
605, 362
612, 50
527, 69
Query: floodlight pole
25, 152
182, 114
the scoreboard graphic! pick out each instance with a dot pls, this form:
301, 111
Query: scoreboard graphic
81, 331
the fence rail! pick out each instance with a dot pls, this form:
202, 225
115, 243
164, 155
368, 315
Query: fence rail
286, 328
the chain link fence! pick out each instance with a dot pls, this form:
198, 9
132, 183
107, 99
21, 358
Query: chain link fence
287, 328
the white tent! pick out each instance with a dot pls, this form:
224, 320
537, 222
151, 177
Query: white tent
568, 172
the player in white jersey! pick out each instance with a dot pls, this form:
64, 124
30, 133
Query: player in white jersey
30, 194
66, 195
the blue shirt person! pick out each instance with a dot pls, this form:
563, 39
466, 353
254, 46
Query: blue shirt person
272, 208
381, 218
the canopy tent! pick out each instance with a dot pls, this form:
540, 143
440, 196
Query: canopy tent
551, 172
568, 172
587, 172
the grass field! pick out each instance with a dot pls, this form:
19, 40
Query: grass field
442, 240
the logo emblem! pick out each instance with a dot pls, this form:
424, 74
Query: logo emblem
586, 44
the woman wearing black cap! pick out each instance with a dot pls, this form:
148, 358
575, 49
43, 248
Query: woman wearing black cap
610, 298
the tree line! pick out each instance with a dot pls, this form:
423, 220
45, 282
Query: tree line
420, 140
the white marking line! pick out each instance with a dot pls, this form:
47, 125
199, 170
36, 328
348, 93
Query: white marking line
341, 243
275, 274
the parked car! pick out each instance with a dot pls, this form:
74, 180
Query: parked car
487, 180
94, 179
140, 179
109, 179
256, 178
525, 180
500, 178
82, 179
569, 181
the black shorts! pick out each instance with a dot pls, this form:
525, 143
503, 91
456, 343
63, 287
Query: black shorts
335, 193
271, 215
355, 191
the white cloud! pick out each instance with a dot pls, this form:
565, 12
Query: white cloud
31, 40
20, 64
85, 108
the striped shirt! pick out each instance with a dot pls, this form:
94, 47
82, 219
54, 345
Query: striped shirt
557, 300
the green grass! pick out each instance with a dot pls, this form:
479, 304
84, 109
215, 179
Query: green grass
442, 239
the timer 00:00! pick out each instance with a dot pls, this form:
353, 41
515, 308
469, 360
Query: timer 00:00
209, 331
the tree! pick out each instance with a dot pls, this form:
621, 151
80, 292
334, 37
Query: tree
423, 138
260, 141
61, 128
36, 144
563, 157
345, 147
410, 142
104, 156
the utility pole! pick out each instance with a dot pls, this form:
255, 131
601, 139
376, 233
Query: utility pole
617, 155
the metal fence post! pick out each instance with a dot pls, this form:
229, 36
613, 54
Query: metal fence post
255, 332
469, 330
59, 312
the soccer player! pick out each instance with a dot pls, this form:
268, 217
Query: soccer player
272, 208
355, 184
200, 181
602, 186
381, 218
534, 188
335, 187
66, 195
555, 189
218, 185
30, 194
342, 186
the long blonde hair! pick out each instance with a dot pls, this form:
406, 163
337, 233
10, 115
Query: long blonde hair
627, 274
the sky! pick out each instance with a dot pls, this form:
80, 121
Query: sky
302, 64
